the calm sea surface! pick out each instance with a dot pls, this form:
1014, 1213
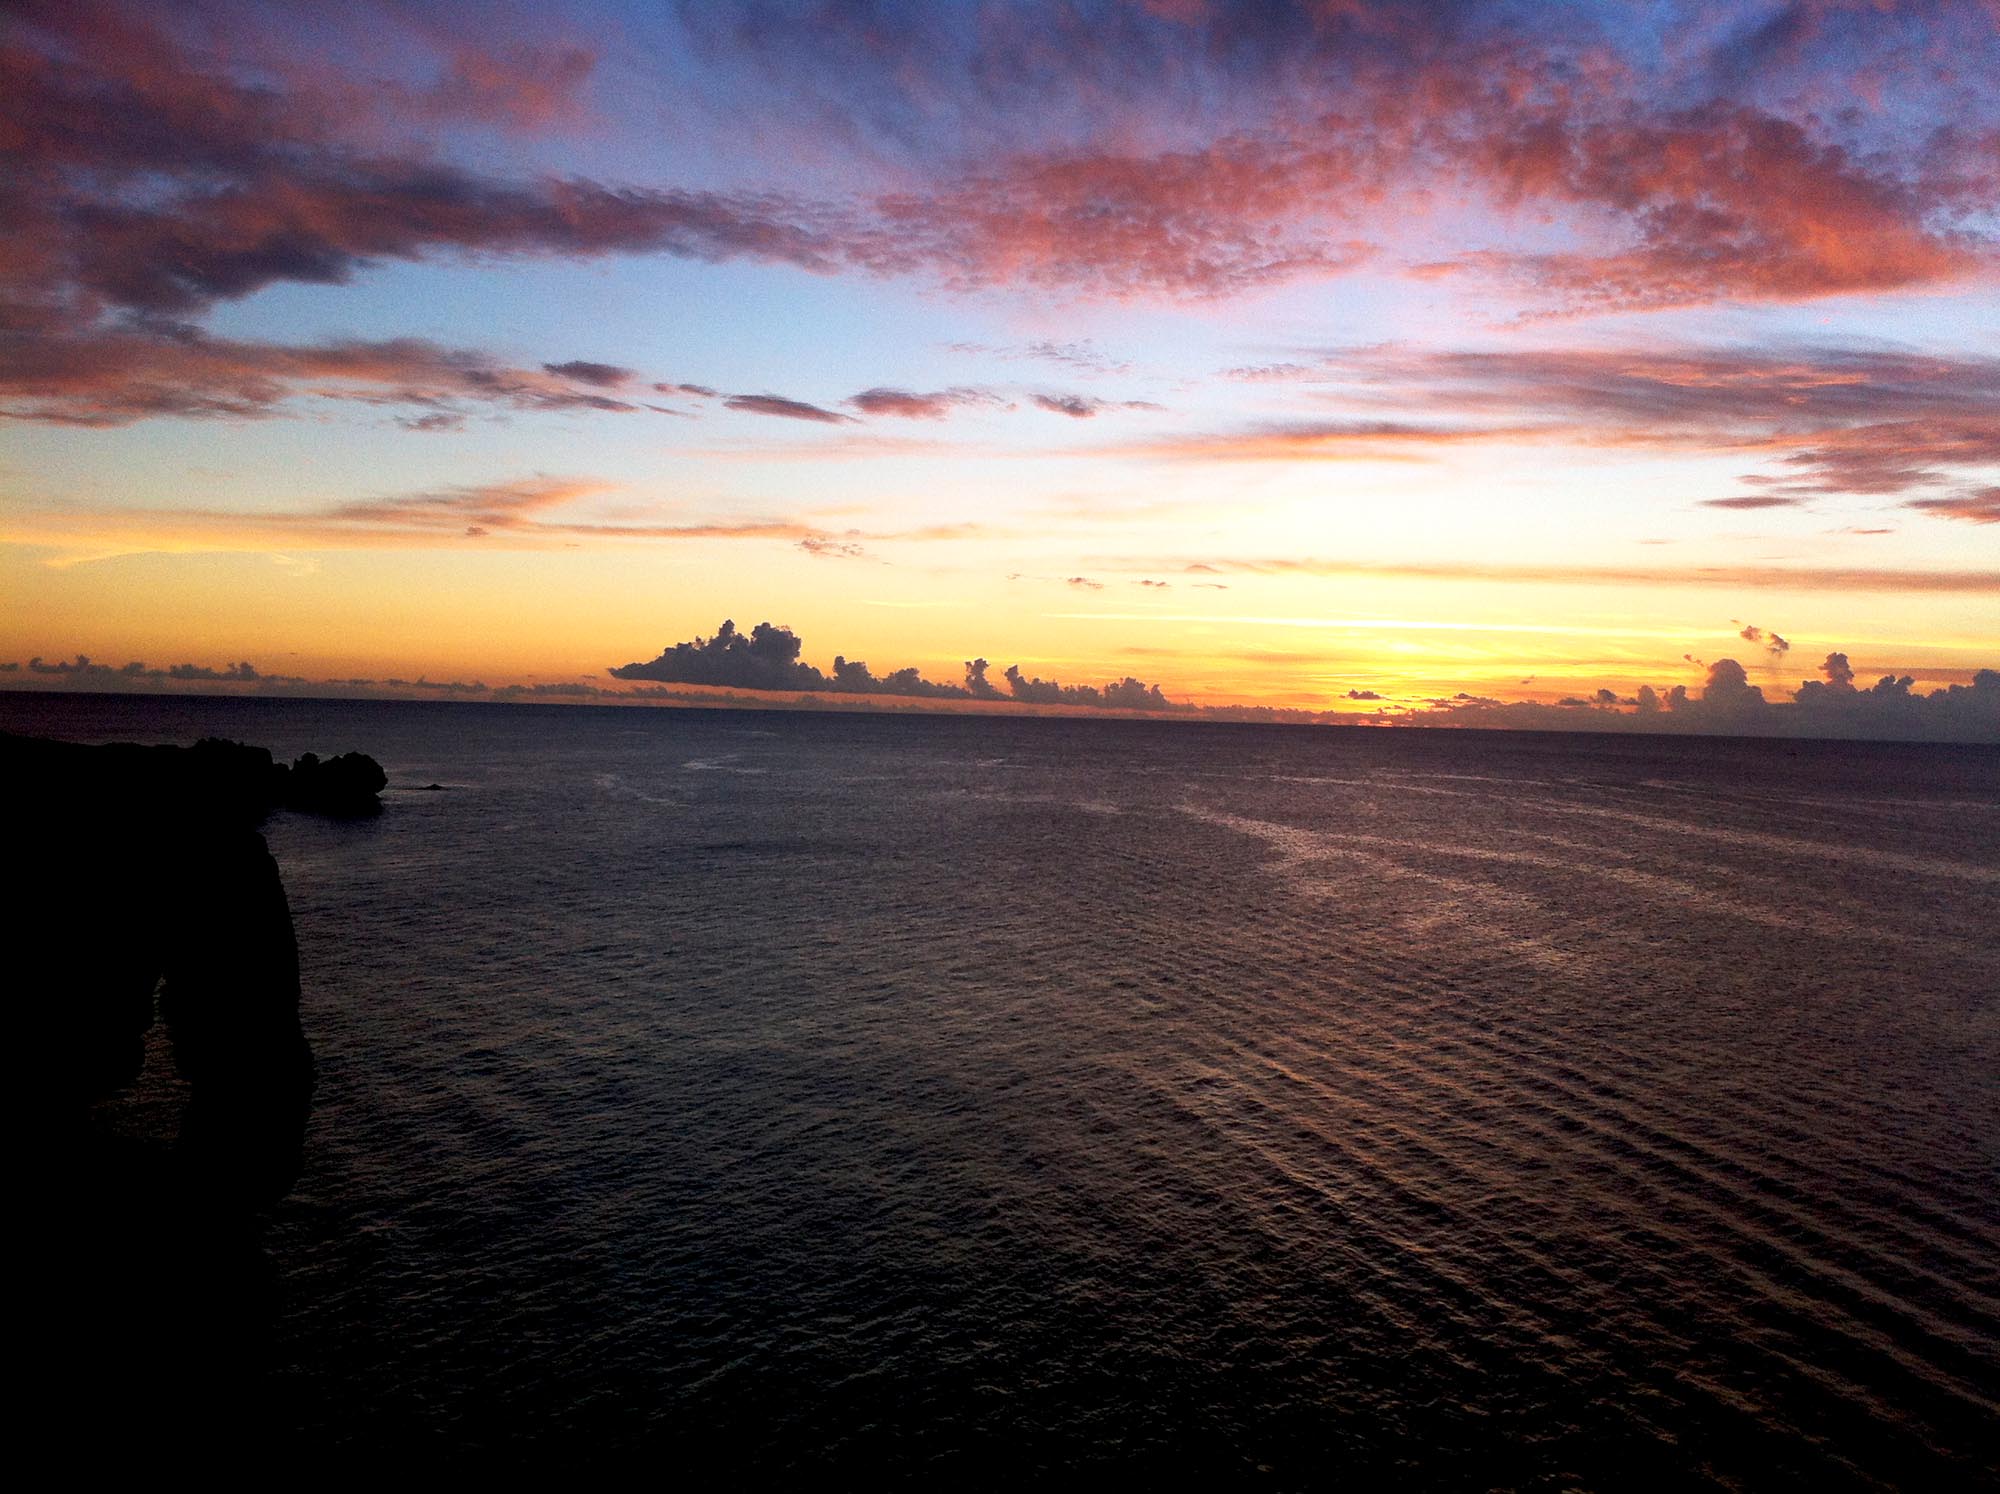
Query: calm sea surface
944, 1097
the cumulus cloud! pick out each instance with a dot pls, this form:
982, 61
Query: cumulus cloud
734, 668
1127, 694
768, 658
977, 685
765, 658
1892, 709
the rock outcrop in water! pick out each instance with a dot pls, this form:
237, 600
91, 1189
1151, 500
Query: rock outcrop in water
348, 785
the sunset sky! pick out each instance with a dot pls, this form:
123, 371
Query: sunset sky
1345, 356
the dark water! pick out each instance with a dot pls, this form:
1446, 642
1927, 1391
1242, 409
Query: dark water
946, 1097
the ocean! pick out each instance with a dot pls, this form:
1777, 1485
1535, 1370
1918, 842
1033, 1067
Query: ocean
926, 1097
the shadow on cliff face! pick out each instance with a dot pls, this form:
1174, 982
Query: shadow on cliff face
140, 870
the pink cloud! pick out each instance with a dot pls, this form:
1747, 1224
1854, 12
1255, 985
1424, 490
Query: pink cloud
908, 404
104, 378
1206, 154
1831, 419
786, 409
1979, 507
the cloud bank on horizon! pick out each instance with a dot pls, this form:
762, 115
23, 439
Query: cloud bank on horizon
1396, 309
733, 667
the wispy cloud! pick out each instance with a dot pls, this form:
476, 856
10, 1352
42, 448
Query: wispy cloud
116, 376
1323, 441
1980, 507
539, 512
908, 404
1827, 419
1744, 577
1085, 406
785, 409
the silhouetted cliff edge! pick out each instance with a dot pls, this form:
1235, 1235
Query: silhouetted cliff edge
136, 866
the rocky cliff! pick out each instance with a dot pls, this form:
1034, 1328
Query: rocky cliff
141, 873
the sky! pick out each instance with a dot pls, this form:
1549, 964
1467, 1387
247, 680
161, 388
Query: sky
1490, 363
